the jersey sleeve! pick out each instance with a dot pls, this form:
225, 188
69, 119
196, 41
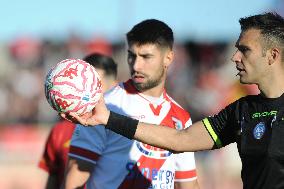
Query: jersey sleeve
222, 126
88, 143
48, 159
185, 169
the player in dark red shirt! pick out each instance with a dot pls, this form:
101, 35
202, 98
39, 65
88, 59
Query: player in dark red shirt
55, 155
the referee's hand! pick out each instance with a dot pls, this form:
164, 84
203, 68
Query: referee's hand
98, 116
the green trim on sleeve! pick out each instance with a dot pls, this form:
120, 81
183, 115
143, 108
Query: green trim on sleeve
212, 132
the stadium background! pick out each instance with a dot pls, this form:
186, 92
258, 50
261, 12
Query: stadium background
35, 35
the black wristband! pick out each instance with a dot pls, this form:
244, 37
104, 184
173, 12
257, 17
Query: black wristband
122, 125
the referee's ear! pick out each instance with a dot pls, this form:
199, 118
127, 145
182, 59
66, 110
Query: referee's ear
274, 56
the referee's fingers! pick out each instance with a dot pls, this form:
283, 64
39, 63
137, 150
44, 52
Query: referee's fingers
78, 118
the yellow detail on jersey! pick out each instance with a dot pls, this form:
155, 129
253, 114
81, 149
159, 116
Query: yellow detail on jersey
212, 132
66, 144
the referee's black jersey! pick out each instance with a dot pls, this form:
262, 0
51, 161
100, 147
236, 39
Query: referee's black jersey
257, 125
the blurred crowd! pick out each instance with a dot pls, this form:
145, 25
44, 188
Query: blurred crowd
24, 63
202, 78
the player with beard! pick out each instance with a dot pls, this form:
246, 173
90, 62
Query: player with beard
103, 159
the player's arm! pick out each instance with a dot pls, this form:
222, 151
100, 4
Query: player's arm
193, 138
187, 185
77, 173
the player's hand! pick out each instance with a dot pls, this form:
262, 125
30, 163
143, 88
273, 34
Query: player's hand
98, 116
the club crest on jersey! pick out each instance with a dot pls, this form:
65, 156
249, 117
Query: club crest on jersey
151, 151
177, 123
259, 130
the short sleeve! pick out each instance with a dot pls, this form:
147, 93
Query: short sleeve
185, 169
88, 143
222, 127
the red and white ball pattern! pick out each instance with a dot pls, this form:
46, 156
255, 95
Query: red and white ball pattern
73, 85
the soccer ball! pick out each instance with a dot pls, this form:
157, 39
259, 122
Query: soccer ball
73, 85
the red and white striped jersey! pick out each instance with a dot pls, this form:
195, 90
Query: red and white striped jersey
127, 164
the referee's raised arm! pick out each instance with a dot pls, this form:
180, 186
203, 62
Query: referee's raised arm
193, 138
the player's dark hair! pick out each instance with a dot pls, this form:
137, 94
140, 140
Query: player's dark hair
103, 62
271, 26
151, 31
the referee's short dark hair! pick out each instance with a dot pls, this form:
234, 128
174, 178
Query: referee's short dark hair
271, 26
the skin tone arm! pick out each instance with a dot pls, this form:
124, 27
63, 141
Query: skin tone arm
77, 173
191, 139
